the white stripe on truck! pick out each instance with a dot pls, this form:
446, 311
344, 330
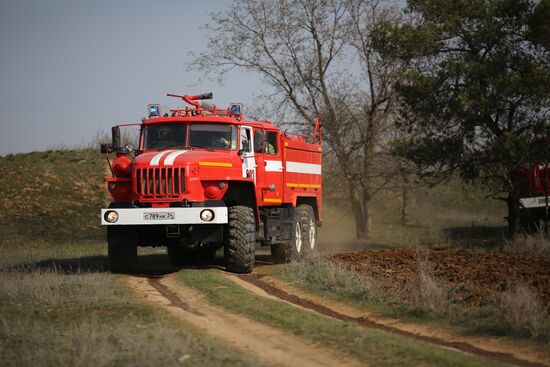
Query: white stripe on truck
156, 159
170, 158
307, 168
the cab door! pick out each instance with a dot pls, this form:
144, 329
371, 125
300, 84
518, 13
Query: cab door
247, 153
270, 166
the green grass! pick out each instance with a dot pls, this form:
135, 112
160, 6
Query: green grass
52, 195
371, 346
64, 311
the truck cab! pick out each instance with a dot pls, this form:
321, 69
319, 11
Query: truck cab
205, 178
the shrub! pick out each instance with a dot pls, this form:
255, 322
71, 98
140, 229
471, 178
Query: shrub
331, 276
537, 244
425, 292
523, 311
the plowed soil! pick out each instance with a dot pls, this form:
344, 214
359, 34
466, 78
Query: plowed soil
476, 277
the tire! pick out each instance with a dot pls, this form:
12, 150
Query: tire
121, 249
179, 255
122, 257
304, 236
307, 221
240, 240
206, 254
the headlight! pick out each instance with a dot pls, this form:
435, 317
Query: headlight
111, 216
207, 215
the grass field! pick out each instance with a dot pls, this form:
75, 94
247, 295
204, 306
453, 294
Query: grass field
60, 305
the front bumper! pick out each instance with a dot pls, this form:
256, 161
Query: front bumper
145, 216
534, 202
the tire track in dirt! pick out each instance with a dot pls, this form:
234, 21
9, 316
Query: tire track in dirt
273, 288
268, 344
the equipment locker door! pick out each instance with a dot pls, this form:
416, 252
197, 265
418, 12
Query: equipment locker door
270, 167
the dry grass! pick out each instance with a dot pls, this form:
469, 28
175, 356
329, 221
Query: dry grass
537, 244
332, 277
91, 343
57, 311
51, 286
523, 311
426, 293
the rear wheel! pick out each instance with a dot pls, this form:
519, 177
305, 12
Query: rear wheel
179, 255
206, 254
303, 240
309, 231
240, 240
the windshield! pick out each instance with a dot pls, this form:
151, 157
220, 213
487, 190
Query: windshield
213, 136
161, 136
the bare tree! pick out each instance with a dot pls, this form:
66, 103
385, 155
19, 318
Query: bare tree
317, 59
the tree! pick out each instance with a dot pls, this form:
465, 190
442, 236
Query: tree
305, 51
476, 86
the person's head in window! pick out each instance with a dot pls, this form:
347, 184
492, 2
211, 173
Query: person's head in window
221, 143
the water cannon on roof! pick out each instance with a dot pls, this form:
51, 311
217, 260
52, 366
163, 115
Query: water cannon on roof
235, 109
192, 99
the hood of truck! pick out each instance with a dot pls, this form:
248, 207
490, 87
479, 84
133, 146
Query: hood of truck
185, 157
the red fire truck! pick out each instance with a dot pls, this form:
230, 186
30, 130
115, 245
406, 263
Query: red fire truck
203, 178
534, 203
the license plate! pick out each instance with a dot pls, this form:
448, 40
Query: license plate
159, 216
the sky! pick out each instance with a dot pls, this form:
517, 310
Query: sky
72, 68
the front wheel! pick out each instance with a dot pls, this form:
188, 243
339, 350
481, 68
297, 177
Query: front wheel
121, 249
122, 257
240, 240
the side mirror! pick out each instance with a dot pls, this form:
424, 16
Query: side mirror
106, 148
116, 138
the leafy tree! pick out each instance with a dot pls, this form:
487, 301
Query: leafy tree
316, 59
476, 86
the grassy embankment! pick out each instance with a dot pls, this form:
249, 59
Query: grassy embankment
58, 304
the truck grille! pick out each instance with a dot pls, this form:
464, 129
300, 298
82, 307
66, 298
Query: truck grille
158, 183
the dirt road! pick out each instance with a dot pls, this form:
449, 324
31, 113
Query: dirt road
277, 347
271, 345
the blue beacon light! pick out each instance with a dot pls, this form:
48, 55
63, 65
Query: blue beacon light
154, 110
236, 108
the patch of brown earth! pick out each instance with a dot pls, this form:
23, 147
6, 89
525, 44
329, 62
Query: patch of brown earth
476, 277
268, 344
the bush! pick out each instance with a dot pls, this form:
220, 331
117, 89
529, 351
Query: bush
331, 276
537, 244
523, 311
425, 292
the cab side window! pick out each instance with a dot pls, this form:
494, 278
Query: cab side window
245, 139
258, 141
270, 146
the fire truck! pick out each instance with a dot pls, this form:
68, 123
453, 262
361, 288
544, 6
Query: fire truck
204, 178
534, 202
